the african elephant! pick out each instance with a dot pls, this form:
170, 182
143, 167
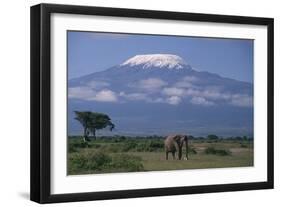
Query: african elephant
175, 143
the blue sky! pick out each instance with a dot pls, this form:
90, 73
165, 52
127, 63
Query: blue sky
90, 52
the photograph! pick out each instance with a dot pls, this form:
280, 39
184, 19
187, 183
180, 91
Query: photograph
153, 102
124, 101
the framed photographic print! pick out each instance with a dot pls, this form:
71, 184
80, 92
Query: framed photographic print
133, 103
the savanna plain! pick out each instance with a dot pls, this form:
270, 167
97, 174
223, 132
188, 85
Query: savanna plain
132, 154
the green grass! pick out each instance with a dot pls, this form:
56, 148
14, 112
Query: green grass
108, 155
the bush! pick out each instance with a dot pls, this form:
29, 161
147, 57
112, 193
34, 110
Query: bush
120, 147
129, 146
156, 145
112, 148
74, 145
99, 160
90, 161
72, 149
243, 145
191, 150
221, 152
96, 146
142, 147
125, 162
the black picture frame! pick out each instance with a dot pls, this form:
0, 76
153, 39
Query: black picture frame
41, 97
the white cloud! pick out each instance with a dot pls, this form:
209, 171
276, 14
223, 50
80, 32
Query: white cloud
98, 84
174, 100
134, 96
86, 93
193, 92
201, 101
205, 97
81, 93
158, 100
187, 82
155, 93
190, 79
151, 84
183, 84
215, 95
173, 91
141, 97
242, 100
210, 93
105, 96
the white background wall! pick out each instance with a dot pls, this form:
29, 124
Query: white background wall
14, 101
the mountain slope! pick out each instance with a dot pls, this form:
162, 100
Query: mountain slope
147, 89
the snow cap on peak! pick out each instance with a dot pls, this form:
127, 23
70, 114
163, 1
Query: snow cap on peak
156, 60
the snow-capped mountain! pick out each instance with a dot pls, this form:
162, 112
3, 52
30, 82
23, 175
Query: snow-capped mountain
166, 61
146, 89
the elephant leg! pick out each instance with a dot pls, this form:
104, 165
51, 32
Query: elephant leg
180, 153
173, 153
167, 155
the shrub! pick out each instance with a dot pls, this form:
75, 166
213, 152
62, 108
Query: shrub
129, 146
71, 149
120, 147
142, 147
99, 160
155, 145
210, 150
125, 162
77, 161
82, 144
75, 145
191, 150
243, 145
96, 146
221, 152
78, 144
90, 161
111, 148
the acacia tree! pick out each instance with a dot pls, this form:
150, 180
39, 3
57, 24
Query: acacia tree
84, 118
100, 121
92, 121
